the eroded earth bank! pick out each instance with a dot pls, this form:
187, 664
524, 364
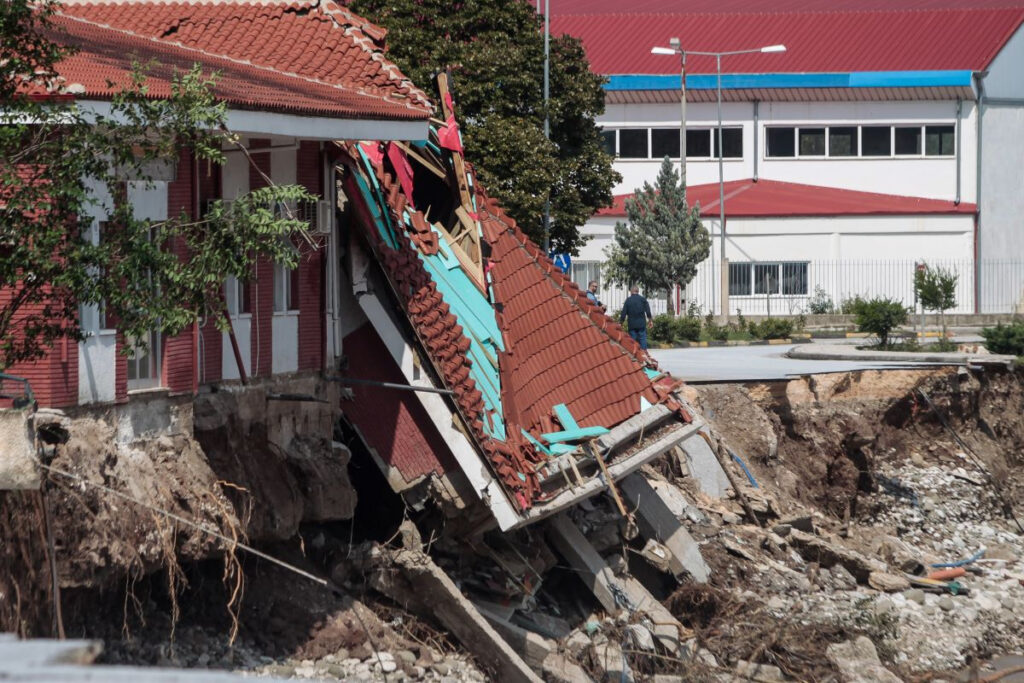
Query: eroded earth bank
858, 483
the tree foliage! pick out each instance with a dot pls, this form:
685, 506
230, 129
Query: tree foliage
879, 316
663, 241
936, 290
495, 50
60, 164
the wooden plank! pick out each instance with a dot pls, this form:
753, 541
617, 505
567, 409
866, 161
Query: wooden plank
426, 163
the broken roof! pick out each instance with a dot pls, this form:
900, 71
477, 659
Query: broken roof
536, 371
318, 41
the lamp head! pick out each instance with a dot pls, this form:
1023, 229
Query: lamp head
774, 48
663, 51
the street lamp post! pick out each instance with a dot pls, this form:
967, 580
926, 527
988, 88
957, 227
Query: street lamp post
676, 49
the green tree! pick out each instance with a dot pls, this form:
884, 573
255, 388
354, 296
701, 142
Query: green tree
56, 162
495, 50
879, 316
936, 290
663, 241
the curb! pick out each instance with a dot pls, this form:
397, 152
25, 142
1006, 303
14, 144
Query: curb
898, 356
806, 339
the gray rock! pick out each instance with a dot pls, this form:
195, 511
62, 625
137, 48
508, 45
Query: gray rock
945, 603
857, 662
915, 595
758, 672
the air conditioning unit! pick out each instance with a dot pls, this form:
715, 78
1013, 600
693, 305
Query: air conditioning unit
322, 225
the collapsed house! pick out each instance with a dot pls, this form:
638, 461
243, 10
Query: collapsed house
544, 399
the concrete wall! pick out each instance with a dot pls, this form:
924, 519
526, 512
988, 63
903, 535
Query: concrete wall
846, 256
919, 176
1001, 223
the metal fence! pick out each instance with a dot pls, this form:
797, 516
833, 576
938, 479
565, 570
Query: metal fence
789, 288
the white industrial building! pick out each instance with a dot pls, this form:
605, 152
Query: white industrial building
879, 139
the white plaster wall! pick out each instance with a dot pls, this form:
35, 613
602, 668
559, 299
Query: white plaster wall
235, 173
919, 177
1005, 78
848, 255
1001, 223
97, 354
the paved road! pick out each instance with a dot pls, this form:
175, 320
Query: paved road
738, 363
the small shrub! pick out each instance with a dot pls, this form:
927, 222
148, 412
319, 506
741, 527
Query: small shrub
801, 322
943, 346
1005, 338
713, 330
850, 305
694, 310
771, 328
880, 316
662, 329
687, 328
821, 302
741, 322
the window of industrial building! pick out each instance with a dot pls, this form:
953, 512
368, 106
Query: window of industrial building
785, 278
665, 143
732, 147
608, 141
812, 142
843, 141
739, 279
633, 143
781, 142
658, 143
908, 140
876, 141
939, 141
698, 144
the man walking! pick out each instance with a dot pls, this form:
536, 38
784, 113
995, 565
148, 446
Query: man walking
637, 314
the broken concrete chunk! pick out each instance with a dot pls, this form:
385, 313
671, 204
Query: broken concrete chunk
558, 669
887, 583
657, 555
610, 661
815, 549
577, 643
641, 637
805, 524
749, 671
857, 662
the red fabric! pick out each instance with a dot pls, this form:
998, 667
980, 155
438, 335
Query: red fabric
834, 41
773, 198
373, 152
448, 136
403, 170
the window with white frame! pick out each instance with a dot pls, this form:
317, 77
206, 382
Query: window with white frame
868, 140
786, 278
236, 293
585, 271
286, 289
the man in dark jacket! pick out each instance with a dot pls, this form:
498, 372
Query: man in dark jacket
637, 314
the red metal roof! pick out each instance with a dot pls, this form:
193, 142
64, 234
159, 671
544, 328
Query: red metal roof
316, 39
106, 55
393, 423
816, 41
775, 199
563, 7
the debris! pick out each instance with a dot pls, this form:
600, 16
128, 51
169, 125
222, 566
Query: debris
657, 522
704, 466
815, 549
558, 669
736, 549
888, 583
961, 563
758, 672
721, 456
609, 659
657, 555
857, 662
641, 637
805, 524
743, 466
946, 574
424, 587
